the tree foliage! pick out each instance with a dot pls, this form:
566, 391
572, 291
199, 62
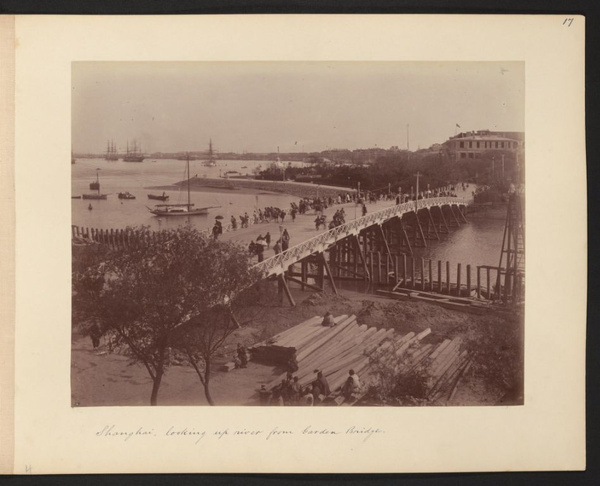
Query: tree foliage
140, 297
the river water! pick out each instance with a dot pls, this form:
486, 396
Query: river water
119, 176
477, 243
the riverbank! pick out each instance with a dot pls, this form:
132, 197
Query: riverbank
298, 189
103, 379
216, 189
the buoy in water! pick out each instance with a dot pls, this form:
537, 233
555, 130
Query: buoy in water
90, 207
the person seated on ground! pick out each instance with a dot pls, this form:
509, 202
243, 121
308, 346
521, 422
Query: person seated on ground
352, 385
308, 398
328, 320
264, 395
276, 398
320, 387
242, 355
296, 390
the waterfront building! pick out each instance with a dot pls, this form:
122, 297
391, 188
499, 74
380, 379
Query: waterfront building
472, 145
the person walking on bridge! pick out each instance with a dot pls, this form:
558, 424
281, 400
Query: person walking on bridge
268, 239
364, 210
285, 240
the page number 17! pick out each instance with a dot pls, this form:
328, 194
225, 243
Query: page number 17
568, 22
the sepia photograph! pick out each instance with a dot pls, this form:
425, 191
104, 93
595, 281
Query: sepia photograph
298, 234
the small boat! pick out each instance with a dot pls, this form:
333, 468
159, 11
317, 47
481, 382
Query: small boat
126, 195
164, 197
75, 197
96, 186
244, 166
186, 209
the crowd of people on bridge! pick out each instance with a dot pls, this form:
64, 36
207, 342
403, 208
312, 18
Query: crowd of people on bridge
258, 248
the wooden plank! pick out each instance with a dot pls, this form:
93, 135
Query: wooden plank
289, 331
440, 348
325, 352
331, 332
295, 331
447, 353
448, 373
325, 331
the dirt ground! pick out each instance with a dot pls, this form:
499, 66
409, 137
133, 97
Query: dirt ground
496, 341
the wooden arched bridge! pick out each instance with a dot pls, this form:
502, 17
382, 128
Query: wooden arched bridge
376, 247
370, 247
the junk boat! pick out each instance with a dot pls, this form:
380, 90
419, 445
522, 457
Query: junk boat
95, 185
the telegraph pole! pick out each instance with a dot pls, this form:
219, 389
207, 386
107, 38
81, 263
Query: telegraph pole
417, 175
502, 166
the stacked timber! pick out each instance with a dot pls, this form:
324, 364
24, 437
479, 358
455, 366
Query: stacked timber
349, 345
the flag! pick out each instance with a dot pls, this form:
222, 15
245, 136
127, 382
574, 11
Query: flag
458, 125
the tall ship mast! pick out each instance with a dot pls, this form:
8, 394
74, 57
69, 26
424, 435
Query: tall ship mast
183, 209
133, 155
111, 151
211, 161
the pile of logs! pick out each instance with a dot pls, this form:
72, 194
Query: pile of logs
348, 345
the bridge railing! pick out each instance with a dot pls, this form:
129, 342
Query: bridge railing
280, 262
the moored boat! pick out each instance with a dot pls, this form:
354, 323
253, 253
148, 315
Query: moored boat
186, 209
126, 195
164, 197
95, 185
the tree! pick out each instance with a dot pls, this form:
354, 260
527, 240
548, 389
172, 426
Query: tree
152, 289
202, 337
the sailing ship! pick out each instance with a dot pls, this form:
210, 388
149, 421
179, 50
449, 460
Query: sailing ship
211, 161
185, 209
95, 185
135, 154
111, 151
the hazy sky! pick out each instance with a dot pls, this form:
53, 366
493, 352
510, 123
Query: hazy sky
298, 106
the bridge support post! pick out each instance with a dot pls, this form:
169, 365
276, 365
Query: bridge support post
462, 214
448, 277
385, 243
329, 275
454, 215
443, 218
283, 285
360, 252
437, 236
420, 228
404, 235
